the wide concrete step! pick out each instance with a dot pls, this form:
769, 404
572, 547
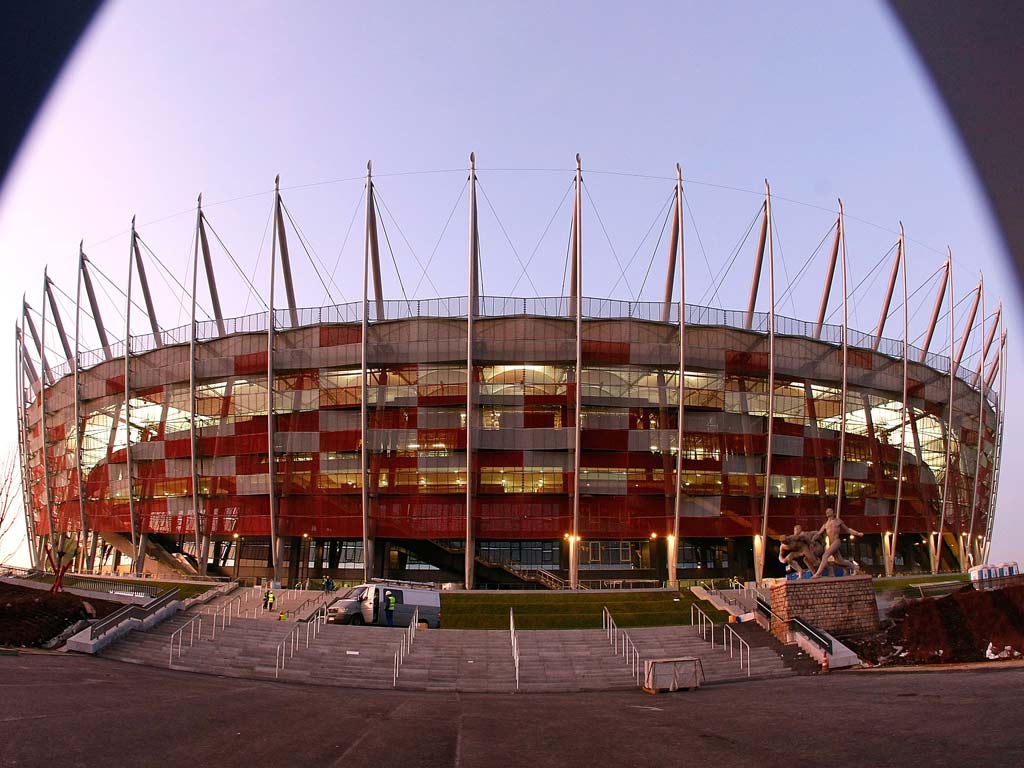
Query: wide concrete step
444, 660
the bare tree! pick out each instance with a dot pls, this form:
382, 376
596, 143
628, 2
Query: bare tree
11, 501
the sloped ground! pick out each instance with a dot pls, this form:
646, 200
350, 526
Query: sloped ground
30, 617
568, 610
955, 628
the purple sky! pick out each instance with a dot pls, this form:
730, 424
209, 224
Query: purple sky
162, 102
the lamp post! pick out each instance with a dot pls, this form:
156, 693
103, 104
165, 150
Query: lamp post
238, 550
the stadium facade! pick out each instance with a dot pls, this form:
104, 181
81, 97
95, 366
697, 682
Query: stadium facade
686, 444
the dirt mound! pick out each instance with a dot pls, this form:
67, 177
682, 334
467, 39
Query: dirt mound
956, 628
30, 617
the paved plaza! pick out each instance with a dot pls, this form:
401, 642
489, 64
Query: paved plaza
67, 710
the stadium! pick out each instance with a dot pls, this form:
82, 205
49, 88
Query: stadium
494, 441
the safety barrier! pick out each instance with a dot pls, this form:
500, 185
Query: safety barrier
730, 638
194, 626
129, 612
405, 646
623, 645
515, 643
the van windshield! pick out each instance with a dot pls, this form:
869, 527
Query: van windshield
355, 593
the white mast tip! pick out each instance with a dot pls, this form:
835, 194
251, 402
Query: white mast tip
578, 160
369, 166
472, 159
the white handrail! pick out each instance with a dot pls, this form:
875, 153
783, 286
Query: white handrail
191, 625
732, 634
405, 645
629, 650
705, 626
515, 643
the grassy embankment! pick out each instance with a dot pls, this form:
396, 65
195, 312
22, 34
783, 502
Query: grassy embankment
568, 610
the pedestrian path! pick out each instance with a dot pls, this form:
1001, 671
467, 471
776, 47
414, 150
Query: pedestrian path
238, 645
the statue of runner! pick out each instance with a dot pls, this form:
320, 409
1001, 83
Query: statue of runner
800, 551
834, 528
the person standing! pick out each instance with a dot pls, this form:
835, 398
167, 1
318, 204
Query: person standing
389, 608
270, 600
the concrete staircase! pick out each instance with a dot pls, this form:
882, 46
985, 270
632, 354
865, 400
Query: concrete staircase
570, 660
440, 660
719, 667
459, 660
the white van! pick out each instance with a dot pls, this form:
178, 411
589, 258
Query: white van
364, 605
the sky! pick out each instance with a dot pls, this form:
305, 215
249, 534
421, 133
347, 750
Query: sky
162, 102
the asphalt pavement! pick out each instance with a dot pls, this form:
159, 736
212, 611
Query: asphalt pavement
66, 710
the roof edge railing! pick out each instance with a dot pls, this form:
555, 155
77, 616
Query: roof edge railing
555, 307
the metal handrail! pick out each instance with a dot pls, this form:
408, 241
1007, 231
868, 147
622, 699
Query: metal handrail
705, 626
812, 634
224, 612
282, 652
629, 650
732, 634
548, 579
405, 645
192, 627
286, 648
515, 643
132, 612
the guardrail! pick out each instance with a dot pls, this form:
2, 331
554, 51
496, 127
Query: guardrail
282, 652
618, 638
286, 648
734, 636
137, 612
730, 638
224, 612
705, 626
405, 647
193, 625
515, 643
813, 634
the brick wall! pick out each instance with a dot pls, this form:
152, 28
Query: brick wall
841, 606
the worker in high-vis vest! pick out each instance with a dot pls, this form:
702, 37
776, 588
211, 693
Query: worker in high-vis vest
270, 600
389, 608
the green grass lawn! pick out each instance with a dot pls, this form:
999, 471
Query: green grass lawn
568, 610
901, 583
187, 589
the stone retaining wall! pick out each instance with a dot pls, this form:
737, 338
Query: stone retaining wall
841, 606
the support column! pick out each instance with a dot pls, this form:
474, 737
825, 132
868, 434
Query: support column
888, 301
76, 368
144, 284
138, 548
844, 340
759, 559
201, 554
275, 542
759, 260
981, 433
472, 310
23, 450
672, 550
890, 563
43, 432
1000, 409
935, 312
94, 306
950, 427
369, 253
577, 270
827, 291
